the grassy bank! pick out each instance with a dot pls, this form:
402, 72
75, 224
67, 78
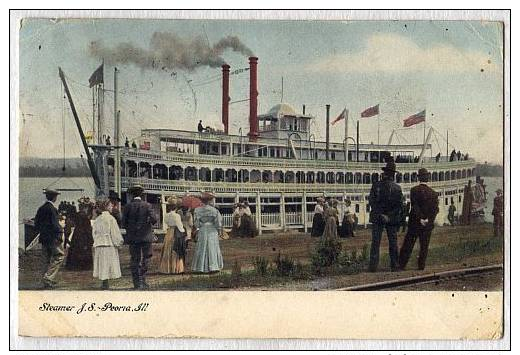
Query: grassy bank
289, 261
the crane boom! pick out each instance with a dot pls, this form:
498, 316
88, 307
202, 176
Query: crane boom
90, 161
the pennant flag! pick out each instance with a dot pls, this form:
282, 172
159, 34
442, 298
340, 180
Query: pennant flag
342, 116
415, 119
96, 77
371, 111
89, 136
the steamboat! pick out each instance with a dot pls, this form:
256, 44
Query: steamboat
278, 166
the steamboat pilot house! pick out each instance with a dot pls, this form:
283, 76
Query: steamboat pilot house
278, 167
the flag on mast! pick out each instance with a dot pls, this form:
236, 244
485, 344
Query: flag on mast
371, 111
341, 116
96, 77
415, 119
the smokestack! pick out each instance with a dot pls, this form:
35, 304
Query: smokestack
253, 99
225, 97
303, 111
327, 135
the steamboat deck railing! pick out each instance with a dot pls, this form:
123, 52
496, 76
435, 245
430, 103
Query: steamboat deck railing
162, 157
183, 186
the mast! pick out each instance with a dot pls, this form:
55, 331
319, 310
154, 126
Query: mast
447, 144
117, 145
357, 140
90, 162
101, 104
327, 132
346, 136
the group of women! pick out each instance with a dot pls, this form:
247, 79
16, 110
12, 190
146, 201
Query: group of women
325, 222
243, 222
96, 238
205, 226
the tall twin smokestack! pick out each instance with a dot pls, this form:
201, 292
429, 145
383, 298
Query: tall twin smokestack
225, 97
253, 98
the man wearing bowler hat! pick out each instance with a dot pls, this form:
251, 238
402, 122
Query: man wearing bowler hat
138, 219
386, 199
50, 227
425, 206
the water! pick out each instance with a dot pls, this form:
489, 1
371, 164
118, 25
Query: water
32, 197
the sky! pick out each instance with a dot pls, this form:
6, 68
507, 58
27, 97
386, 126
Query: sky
451, 69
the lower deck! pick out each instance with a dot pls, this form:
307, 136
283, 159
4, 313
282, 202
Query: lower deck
284, 207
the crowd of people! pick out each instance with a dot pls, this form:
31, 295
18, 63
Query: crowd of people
327, 217
388, 212
97, 238
243, 223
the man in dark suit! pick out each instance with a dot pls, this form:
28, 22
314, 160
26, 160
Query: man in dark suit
138, 219
386, 199
425, 206
498, 214
50, 228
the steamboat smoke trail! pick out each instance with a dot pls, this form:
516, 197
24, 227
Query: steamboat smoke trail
169, 51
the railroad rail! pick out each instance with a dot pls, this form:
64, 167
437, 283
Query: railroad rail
422, 279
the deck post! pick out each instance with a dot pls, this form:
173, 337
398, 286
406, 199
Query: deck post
304, 211
258, 213
282, 211
163, 207
364, 204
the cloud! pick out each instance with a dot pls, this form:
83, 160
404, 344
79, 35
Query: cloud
391, 53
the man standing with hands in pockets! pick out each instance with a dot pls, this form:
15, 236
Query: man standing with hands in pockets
425, 206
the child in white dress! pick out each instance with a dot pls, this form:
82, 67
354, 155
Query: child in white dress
107, 239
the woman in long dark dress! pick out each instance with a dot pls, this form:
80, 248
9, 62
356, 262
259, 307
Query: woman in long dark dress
79, 255
247, 227
347, 224
318, 221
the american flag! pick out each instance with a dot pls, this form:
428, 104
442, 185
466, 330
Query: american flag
371, 111
415, 119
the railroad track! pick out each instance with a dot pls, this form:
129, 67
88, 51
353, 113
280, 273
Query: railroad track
422, 279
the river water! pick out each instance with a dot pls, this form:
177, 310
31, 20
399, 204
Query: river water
31, 196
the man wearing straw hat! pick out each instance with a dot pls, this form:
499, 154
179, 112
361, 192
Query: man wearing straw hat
385, 213
48, 224
425, 206
138, 219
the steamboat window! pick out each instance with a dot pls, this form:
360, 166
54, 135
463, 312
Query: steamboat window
357, 208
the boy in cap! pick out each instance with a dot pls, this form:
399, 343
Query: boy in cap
50, 227
425, 206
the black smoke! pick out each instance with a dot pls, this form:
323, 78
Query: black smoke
168, 51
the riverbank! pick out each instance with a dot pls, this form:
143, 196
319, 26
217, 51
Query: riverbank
450, 248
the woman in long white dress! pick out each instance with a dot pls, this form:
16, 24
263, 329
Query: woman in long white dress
174, 246
107, 239
208, 221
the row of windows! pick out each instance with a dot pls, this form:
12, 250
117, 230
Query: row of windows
160, 171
